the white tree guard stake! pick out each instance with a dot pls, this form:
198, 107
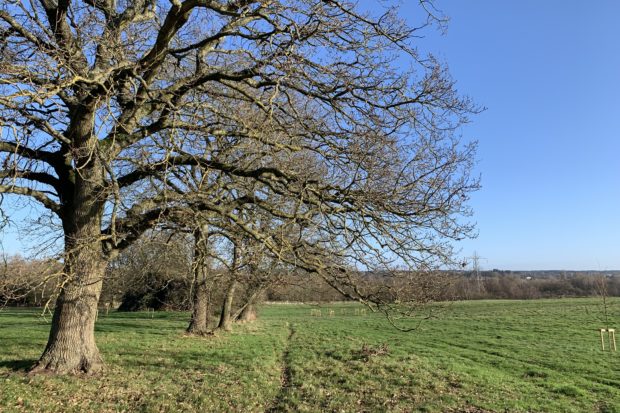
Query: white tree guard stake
611, 336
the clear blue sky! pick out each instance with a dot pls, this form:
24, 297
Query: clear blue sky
549, 74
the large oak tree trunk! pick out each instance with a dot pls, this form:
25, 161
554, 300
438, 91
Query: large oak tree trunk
71, 345
200, 300
225, 317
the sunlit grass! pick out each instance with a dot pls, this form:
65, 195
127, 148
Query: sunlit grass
478, 356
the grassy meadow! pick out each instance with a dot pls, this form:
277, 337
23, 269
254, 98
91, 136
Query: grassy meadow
478, 356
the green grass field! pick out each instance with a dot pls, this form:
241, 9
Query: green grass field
514, 356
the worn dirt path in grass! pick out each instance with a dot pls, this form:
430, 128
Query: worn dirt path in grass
280, 402
478, 357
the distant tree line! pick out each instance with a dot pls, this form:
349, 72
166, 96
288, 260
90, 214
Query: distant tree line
532, 285
28, 282
156, 274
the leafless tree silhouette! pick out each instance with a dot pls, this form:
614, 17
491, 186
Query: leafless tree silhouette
103, 100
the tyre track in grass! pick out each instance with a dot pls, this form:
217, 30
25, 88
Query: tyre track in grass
280, 402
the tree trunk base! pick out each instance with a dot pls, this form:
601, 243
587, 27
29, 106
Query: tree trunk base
199, 333
193, 330
248, 314
247, 318
226, 328
71, 347
59, 362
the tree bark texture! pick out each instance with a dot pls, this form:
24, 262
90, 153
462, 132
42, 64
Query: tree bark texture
225, 317
71, 345
200, 300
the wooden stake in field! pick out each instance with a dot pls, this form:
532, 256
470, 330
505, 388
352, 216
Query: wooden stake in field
611, 336
315, 313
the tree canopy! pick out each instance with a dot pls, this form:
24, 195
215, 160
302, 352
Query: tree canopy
298, 110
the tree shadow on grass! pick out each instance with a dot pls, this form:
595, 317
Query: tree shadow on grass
23, 365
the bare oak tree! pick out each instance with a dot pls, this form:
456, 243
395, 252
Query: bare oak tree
101, 100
